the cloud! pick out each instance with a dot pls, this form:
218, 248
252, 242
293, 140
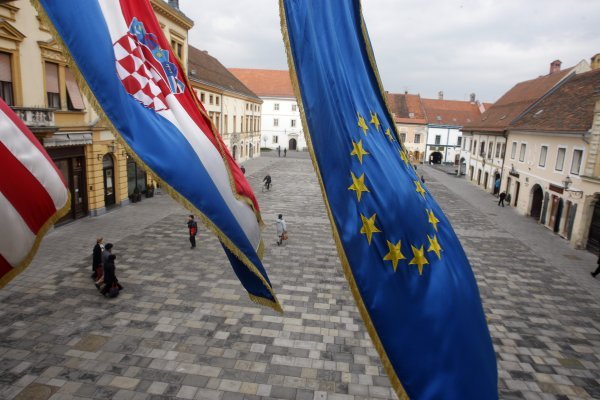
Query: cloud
458, 46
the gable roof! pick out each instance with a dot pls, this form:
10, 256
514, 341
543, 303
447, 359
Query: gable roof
266, 82
569, 108
406, 108
514, 102
450, 112
204, 68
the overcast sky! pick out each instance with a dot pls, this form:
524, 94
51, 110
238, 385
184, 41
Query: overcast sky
455, 46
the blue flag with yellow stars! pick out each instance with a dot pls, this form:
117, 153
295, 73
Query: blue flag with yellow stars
406, 268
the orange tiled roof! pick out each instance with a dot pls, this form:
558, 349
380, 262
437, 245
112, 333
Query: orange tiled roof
570, 108
266, 82
205, 68
450, 112
404, 105
515, 101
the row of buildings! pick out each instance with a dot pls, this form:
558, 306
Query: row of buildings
541, 142
36, 81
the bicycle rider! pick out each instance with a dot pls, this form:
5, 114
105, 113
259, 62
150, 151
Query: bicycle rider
267, 181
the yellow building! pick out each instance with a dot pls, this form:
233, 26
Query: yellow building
36, 82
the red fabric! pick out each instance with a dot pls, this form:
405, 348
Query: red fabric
24, 191
142, 10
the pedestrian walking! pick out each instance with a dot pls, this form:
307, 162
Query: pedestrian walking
278, 151
422, 179
111, 283
502, 197
597, 271
285, 152
100, 270
281, 230
97, 258
193, 230
243, 170
267, 181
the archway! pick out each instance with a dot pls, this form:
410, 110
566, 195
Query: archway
463, 166
593, 241
485, 179
417, 156
436, 157
497, 182
108, 174
537, 199
234, 152
471, 172
478, 177
292, 144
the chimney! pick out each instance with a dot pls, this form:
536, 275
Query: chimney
555, 66
472, 97
440, 95
174, 4
595, 61
405, 92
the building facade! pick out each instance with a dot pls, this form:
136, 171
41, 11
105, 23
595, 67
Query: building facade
281, 124
233, 108
36, 81
411, 124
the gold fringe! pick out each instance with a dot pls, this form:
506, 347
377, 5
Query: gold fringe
275, 305
36, 244
394, 380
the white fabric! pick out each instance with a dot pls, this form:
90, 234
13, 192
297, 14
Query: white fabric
29, 155
17, 238
208, 155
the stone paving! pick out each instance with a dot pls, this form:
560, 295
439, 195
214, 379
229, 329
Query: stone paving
183, 327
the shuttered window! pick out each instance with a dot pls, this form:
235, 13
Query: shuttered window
74, 98
6, 88
52, 88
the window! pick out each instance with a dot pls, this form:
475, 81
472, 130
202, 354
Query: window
503, 151
438, 139
403, 137
210, 99
293, 123
52, 88
474, 146
490, 149
275, 139
241, 124
513, 151
276, 122
74, 98
560, 159
276, 106
543, 154
247, 105
234, 125
498, 145
576, 163
294, 107
177, 48
417, 138
202, 97
482, 149
6, 87
459, 141
464, 144
522, 152
225, 127
216, 100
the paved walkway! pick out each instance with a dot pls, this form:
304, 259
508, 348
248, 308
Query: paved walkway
184, 328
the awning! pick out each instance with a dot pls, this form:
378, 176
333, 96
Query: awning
68, 139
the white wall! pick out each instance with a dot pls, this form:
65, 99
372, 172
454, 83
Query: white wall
274, 136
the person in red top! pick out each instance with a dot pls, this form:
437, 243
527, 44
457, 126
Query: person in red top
193, 230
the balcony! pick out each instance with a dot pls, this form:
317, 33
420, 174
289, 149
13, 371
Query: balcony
37, 119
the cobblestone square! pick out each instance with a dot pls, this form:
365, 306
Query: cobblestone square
184, 328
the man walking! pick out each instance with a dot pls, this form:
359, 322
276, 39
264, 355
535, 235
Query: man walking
193, 230
502, 197
278, 151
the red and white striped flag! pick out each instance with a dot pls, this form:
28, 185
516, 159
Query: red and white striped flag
33, 194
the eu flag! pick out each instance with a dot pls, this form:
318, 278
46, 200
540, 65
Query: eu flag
406, 268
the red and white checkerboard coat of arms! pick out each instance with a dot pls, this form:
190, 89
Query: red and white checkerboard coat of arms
139, 72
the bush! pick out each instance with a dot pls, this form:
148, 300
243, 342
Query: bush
265, 149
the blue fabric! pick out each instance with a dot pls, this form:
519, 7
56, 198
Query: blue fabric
155, 140
431, 325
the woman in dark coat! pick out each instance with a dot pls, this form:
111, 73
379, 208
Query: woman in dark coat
97, 258
110, 277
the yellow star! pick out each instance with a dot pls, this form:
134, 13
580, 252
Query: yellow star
368, 227
419, 189
418, 258
388, 133
362, 124
358, 185
358, 151
375, 120
394, 254
403, 156
432, 219
434, 246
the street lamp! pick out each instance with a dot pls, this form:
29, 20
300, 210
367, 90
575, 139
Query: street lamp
577, 194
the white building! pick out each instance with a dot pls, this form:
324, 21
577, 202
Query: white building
281, 123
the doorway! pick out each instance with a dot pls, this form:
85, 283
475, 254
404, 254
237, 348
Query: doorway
485, 180
108, 173
537, 199
517, 187
593, 242
292, 144
436, 157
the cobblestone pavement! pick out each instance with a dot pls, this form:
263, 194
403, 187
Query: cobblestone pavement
184, 328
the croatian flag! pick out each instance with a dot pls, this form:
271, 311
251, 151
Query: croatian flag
33, 194
122, 54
